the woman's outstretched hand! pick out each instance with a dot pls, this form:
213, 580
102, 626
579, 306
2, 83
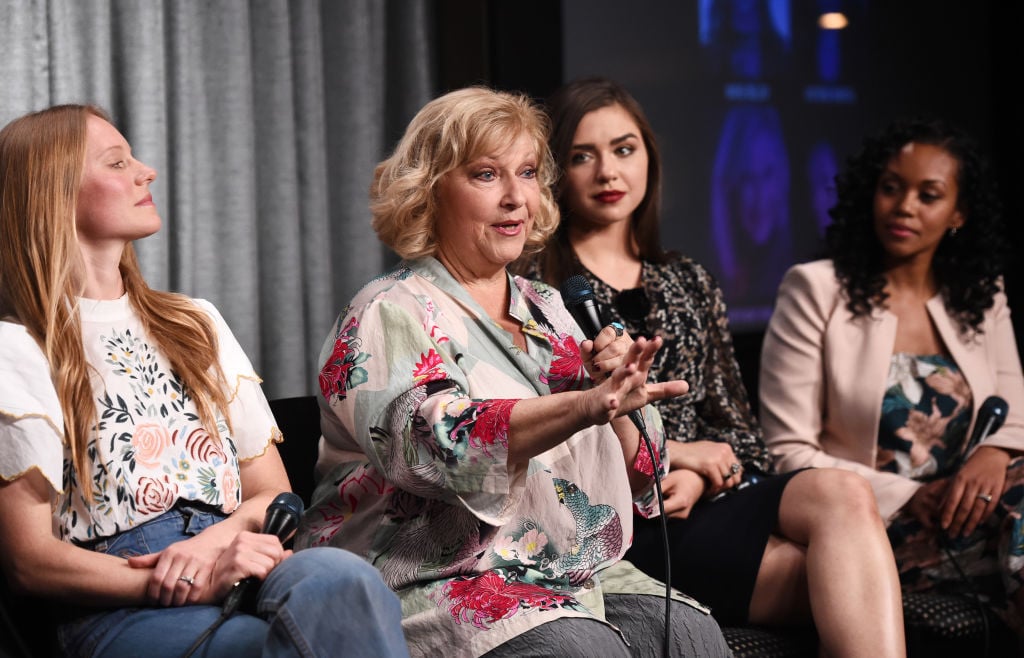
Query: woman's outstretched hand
627, 388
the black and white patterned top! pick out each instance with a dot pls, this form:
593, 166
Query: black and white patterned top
681, 302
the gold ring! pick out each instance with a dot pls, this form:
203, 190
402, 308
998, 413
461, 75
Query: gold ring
187, 579
986, 497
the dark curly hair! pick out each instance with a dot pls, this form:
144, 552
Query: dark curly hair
967, 265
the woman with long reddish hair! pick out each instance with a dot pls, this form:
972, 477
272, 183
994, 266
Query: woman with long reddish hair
137, 450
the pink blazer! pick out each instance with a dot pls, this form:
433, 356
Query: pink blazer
823, 375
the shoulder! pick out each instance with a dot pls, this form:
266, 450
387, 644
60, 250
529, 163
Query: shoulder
14, 334
19, 353
208, 307
220, 325
816, 278
809, 293
26, 389
398, 296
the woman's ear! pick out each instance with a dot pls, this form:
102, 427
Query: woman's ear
957, 220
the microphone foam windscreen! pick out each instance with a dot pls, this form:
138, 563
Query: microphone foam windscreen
576, 289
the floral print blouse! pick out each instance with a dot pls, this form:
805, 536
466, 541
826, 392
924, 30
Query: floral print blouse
150, 450
681, 302
418, 385
925, 415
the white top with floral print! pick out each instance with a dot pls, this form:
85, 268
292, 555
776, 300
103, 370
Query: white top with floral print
151, 450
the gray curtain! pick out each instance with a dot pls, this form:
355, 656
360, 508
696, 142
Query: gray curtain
264, 120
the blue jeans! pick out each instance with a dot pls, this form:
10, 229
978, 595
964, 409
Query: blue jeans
318, 602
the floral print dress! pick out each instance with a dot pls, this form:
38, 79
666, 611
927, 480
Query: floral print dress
926, 412
150, 450
418, 385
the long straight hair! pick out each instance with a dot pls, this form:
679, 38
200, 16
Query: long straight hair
42, 158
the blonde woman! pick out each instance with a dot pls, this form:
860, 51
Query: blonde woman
467, 451
137, 451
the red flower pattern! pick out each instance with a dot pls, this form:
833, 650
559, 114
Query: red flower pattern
488, 597
491, 424
566, 371
364, 480
429, 369
336, 371
643, 463
201, 446
155, 495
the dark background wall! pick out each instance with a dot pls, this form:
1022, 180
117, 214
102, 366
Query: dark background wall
953, 59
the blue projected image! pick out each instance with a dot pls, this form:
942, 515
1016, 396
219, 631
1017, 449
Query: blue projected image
750, 222
822, 167
747, 39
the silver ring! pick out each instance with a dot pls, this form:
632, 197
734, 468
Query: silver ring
187, 579
735, 468
617, 327
986, 497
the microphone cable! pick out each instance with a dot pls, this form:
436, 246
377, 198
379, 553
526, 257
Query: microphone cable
224, 614
667, 645
231, 604
281, 519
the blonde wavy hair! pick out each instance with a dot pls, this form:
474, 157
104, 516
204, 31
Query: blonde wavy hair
42, 157
448, 132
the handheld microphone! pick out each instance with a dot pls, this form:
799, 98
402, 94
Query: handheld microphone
991, 416
578, 296
281, 520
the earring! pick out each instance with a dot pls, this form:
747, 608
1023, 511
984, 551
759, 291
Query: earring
952, 231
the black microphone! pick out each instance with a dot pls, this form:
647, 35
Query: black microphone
578, 296
991, 416
281, 520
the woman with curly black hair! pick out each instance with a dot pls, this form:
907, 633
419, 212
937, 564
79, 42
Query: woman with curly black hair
878, 359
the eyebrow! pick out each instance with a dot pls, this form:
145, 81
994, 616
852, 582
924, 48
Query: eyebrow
115, 147
616, 140
889, 173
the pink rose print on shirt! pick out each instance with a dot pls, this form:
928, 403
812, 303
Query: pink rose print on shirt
429, 369
342, 371
155, 495
149, 442
566, 371
487, 598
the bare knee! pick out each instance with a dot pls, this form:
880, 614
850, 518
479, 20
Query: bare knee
839, 494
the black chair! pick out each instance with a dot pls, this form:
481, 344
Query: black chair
298, 418
937, 626
26, 630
